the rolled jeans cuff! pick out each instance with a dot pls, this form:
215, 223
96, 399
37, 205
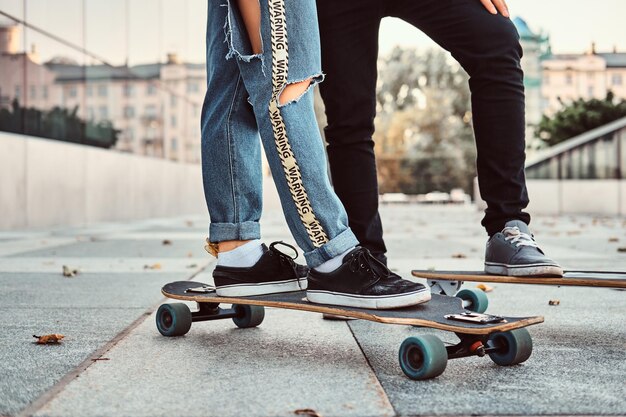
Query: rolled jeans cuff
220, 232
335, 247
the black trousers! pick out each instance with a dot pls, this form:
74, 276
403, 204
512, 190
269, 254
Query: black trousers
487, 47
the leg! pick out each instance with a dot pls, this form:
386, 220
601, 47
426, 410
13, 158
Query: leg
487, 46
349, 39
231, 153
279, 80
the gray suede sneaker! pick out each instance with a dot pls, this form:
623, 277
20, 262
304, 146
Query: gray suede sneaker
514, 252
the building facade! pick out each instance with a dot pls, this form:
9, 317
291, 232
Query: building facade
568, 77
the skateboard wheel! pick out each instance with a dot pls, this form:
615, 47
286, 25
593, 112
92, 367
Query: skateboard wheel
248, 316
423, 357
477, 298
173, 319
516, 346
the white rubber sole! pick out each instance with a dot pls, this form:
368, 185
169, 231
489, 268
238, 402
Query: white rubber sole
531, 270
244, 290
365, 301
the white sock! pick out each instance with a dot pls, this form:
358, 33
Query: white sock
332, 264
244, 256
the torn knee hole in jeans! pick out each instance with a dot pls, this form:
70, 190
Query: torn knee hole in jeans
293, 91
236, 35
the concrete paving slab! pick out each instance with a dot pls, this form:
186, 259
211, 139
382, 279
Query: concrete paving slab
28, 370
294, 360
577, 366
89, 309
178, 248
54, 265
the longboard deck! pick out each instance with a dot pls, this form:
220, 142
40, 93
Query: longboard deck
570, 278
430, 314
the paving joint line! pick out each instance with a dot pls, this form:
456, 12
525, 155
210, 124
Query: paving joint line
52, 392
367, 360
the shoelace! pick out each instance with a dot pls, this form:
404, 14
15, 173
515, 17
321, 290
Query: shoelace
363, 259
518, 238
285, 258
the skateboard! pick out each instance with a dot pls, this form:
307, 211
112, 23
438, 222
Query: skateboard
504, 339
450, 282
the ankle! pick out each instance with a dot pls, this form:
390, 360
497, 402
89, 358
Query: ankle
229, 245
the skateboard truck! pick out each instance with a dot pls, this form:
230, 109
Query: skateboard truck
449, 288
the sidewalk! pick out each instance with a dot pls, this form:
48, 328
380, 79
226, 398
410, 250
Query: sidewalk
113, 361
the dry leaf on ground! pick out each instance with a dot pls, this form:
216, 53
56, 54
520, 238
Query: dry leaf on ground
554, 302
70, 271
167, 242
613, 239
622, 249
153, 266
459, 256
192, 266
309, 412
484, 287
49, 338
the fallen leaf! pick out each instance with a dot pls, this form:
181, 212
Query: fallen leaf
613, 239
190, 255
49, 338
153, 266
307, 412
554, 302
192, 266
69, 271
167, 242
484, 287
189, 223
459, 256
622, 249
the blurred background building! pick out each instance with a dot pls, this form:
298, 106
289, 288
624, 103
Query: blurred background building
128, 76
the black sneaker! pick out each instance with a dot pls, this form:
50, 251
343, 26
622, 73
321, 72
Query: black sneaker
514, 252
275, 272
363, 281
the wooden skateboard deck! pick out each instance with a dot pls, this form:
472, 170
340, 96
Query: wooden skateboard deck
570, 278
503, 339
431, 314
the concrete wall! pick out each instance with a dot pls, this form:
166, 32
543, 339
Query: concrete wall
50, 183
573, 197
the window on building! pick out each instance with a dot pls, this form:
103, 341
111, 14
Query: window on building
44, 92
33, 92
102, 90
89, 90
150, 110
129, 112
590, 91
103, 112
193, 87
18, 92
174, 144
173, 121
568, 79
173, 100
129, 90
91, 114
151, 89
617, 79
72, 91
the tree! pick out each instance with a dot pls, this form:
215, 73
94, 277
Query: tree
579, 117
424, 138
58, 123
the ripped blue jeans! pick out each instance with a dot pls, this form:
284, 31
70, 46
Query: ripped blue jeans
241, 103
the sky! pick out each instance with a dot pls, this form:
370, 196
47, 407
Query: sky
144, 30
